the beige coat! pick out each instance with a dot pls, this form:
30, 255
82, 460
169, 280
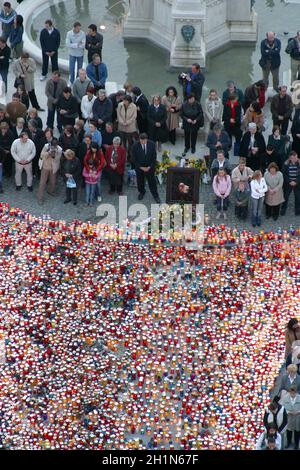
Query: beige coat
274, 182
47, 162
173, 118
28, 69
127, 116
237, 176
259, 119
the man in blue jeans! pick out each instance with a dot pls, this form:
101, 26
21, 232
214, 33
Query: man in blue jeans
75, 42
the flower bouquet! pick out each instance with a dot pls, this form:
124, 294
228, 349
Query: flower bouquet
162, 167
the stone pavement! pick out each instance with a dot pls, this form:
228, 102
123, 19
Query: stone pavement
55, 208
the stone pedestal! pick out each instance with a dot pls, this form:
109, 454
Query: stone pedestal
188, 14
215, 23
139, 19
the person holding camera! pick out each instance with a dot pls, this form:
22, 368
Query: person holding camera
49, 164
192, 82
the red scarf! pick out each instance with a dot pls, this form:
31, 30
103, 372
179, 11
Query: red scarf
233, 111
262, 97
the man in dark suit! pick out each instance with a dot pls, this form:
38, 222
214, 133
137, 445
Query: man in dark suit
144, 159
142, 105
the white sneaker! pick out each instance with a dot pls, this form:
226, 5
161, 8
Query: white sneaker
218, 215
225, 215
99, 198
43, 77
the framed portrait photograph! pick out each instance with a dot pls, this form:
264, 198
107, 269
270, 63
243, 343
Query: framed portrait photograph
183, 185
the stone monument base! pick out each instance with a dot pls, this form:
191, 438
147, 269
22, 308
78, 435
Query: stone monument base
191, 29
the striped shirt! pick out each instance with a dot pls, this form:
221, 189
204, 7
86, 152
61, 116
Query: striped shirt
293, 172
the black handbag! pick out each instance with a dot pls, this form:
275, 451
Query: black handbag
19, 81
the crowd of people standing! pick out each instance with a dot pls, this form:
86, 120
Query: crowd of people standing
100, 134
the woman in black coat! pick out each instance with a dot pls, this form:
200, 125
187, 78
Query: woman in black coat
193, 119
232, 118
68, 139
253, 147
157, 122
296, 132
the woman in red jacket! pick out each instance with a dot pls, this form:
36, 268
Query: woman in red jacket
96, 155
116, 159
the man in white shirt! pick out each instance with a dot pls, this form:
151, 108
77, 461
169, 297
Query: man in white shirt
87, 104
75, 42
23, 152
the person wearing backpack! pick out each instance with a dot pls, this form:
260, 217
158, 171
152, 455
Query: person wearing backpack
293, 49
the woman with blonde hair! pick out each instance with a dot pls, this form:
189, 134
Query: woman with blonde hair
258, 190
288, 379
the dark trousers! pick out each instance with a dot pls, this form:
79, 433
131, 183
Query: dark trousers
150, 177
284, 125
71, 193
127, 141
222, 204
287, 192
272, 211
54, 63
50, 119
4, 73
241, 212
7, 165
142, 124
234, 132
172, 136
66, 121
33, 99
115, 181
289, 435
190, 138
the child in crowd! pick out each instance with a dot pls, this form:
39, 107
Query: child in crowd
91, 176
258, 191
241, 195
222, 188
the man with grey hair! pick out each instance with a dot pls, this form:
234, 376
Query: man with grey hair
80, 87
102, 109
270, 59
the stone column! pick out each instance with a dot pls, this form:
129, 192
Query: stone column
191, 15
